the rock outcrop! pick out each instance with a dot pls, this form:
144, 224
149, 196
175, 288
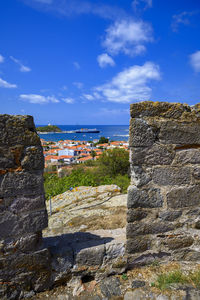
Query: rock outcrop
86, 233
87, 208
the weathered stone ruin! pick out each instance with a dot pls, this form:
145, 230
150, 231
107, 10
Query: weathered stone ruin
28, 262
23, 264
164, 196
163, 218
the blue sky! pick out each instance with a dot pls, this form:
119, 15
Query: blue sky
85, 61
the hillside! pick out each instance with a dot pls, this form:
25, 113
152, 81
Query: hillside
48, 128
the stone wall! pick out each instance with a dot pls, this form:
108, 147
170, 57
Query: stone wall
24, 265
163, 219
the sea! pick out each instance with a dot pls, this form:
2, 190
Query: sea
112, 132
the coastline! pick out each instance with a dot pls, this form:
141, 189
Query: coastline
113, 132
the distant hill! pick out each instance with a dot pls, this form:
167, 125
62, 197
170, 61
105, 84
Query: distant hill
48, 128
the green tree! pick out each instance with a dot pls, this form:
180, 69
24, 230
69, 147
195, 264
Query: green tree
103, 140
49, 128
114, 162
93, 154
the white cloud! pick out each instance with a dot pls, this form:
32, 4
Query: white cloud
76, 65
127, 36
1, 58
105, 60
182, 18
79, 85
97, 95
195, 61
131, 84
89, 97
5, 84
142, 3
68, 100
38, 99
22, 67
68, 8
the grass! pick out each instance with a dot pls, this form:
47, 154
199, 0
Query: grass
116, 219
166, 280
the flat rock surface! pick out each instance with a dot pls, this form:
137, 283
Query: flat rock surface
86, 209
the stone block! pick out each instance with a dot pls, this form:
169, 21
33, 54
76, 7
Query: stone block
137, 244
187, 255
28, 271
149, 198
171, 175
187, 156
25, 243
141, 228
22, 204
141, 134
12, 225
91, 256
110, 288
170, 215
147, 259
136, 214
18, 130
61, 265
139, 177
33, 158
158, 109
157, 154
181, 133
8, 225
137, 284
178, 242
33, 222
62, 256
113, 251
26, 183
183, 197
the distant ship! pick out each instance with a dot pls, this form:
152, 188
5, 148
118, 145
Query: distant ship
86, 130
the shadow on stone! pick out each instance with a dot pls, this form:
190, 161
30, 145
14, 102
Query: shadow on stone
69, 251
77, 241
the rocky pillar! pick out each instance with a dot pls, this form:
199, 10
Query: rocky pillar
163, 217
24, 266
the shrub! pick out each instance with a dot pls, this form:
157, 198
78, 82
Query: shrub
80, 177
103, 140
114, 162
123, 181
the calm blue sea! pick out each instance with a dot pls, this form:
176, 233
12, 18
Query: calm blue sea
113, 132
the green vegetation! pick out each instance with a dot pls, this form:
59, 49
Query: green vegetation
111, 168
165, 280
124, 276
93, 154
114, 162
49, 128
103, 140
80, 177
